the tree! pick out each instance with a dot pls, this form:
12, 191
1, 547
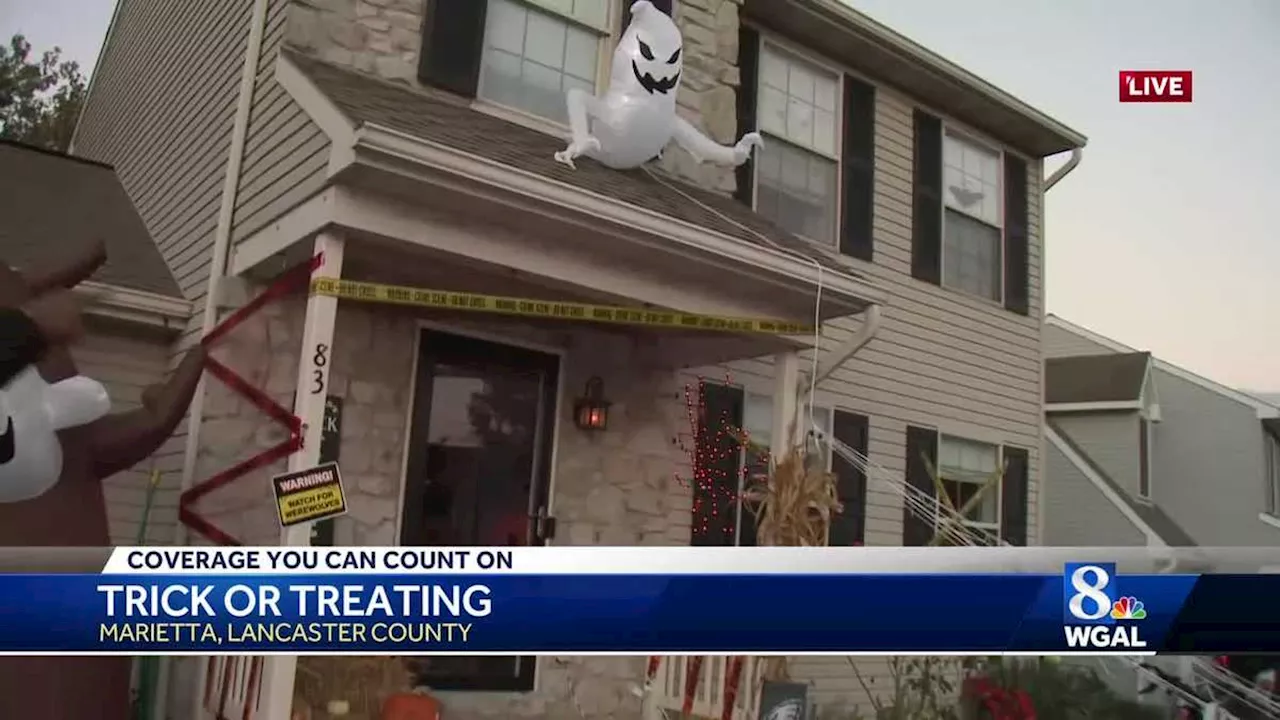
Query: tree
40, 100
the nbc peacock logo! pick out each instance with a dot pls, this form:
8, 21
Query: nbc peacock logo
1128, 608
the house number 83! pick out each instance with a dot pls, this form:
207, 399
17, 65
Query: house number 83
318, 362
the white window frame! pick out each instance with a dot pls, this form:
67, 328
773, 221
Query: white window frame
991, 528
963, 135
763, 42
740, 511
608, 39
1271, 450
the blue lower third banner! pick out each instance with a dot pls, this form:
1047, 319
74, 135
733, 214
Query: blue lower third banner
1085, 610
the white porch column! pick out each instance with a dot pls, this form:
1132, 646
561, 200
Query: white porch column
786, 384
313, 383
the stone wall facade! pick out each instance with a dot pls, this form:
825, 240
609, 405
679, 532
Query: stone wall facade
619, 487
384, 37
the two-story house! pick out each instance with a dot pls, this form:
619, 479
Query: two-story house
897, 200
1142, 451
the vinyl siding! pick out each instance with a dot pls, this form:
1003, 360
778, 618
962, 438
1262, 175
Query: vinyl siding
1060, 342
127, 362
940, 359
1077, 513
1209, 466
161, 110
1110, 439
286, 155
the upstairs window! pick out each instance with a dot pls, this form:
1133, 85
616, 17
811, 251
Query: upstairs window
1273, 474
797, 171
537, 50
1144, 458
970, 225
972, 238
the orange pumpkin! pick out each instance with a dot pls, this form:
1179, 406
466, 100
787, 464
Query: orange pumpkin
410, 706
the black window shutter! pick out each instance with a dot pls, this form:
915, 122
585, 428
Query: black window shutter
1013, 497
452, 39
1017, 282
859, 168
926, 224
716, 460
749, 74
850, 525
921, 443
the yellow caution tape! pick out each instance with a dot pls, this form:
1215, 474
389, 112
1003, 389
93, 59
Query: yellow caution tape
583, 312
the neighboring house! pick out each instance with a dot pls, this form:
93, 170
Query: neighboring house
51, 206
412, 144
1142, 451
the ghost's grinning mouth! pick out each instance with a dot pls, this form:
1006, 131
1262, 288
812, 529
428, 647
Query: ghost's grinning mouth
7, 443
648, 82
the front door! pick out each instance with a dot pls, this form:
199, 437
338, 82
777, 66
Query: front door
479, 470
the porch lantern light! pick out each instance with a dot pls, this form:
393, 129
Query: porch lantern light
591, 411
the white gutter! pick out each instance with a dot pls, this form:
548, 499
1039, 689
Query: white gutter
870, 325
1076, 154
134, 306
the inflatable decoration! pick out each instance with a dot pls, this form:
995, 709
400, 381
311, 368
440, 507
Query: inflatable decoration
57, 420
32, 412
636, 118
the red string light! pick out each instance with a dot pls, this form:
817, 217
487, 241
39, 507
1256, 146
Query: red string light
714, 441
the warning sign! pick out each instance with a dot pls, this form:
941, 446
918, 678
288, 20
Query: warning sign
309, 495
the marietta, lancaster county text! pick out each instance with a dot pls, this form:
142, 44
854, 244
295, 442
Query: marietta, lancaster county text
284, 633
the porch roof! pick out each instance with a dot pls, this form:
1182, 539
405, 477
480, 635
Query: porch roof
54, 204
430, 116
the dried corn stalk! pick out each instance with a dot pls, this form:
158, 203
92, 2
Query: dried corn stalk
364, 682
793, 506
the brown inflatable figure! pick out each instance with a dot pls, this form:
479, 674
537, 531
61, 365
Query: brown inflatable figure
73, 512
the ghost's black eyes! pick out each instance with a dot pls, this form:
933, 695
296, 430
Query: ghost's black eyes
674, 57
645, 51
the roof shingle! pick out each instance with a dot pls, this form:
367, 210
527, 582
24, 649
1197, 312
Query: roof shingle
1114, 377
52, 205
428, 115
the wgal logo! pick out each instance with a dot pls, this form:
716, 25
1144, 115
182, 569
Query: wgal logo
1095, 615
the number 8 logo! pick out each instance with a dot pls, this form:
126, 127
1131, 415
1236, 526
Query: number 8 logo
1089, 590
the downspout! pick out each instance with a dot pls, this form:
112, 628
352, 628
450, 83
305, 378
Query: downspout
870, 325
1057, 175
213, 291
222, 236
1076, 154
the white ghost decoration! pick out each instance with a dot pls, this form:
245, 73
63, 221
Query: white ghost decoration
31, 413
636, 118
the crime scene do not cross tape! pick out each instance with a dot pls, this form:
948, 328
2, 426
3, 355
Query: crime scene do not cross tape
523, 307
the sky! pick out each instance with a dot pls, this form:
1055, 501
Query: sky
1162, 237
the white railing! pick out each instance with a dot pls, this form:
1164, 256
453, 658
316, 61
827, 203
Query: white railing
232, 686
668, 692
